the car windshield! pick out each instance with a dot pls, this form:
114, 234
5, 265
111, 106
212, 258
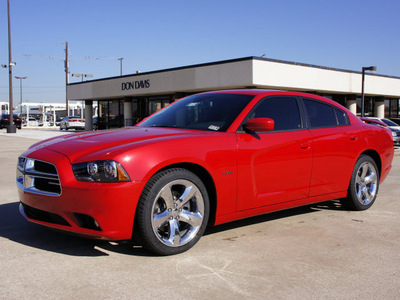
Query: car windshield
388, 122
212, 112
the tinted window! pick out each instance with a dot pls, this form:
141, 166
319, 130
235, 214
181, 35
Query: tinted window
214, 112
388, 122
283, 110
320, 114
342, 117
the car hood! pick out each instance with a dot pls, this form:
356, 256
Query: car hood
78, 145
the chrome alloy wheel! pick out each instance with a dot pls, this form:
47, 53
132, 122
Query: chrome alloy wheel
366, 183
177, 213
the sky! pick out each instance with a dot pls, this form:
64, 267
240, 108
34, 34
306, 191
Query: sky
154, 35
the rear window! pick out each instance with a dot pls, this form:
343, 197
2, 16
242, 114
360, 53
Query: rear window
322, 115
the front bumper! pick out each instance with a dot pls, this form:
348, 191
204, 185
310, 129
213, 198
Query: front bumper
96, 210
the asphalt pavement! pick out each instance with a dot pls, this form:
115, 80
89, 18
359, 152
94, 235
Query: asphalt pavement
314, 252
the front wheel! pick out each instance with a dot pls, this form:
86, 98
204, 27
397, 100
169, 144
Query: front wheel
364, 184
172, 212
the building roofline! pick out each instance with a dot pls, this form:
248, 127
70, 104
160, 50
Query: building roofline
232, 61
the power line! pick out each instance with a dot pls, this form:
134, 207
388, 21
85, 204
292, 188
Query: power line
59, 58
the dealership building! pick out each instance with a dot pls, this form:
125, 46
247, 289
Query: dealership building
125, 100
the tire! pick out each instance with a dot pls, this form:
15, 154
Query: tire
364, 184
172, 212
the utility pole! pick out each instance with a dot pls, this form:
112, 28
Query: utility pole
10, 128
66, 77
120, 59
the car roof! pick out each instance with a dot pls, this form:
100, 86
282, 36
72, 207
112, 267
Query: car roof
264, 93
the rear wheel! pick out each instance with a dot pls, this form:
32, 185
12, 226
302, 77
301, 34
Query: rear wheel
364, 184
172, 212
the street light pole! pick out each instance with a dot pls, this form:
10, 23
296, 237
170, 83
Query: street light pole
120, 59
20, 89
10, 128
373, 70
66, 77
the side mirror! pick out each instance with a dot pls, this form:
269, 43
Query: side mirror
260, 124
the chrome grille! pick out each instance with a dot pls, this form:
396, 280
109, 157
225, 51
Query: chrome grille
37, 176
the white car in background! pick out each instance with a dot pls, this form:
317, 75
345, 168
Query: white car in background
32, 122
395, 128
72, 122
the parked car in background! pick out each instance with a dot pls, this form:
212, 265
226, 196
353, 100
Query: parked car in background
395, 120
394, 127
206, 159
72, 122
388, 122
58, 121
99, 123
32, 122
5, 120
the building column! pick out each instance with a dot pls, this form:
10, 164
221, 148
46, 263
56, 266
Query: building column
88, 115
380, 109
352, 106
128, 117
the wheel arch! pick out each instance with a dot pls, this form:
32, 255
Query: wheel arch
375, 156
206, 178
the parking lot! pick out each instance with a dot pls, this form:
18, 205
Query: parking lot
314, 252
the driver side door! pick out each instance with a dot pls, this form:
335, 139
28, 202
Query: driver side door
275, 166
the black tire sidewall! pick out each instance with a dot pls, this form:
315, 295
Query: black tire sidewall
145, 206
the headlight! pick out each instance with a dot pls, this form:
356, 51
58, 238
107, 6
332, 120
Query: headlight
100, 171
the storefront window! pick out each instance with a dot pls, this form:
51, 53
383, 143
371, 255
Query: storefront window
157, 103
111, 114
392, 108
368, 107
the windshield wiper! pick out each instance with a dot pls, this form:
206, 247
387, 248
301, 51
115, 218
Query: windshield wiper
164, 126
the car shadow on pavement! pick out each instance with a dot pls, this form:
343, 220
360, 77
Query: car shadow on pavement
14, 227
312, 208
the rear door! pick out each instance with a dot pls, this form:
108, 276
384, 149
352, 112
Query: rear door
335, 147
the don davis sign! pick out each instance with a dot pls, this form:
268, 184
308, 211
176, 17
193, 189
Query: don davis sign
135, 85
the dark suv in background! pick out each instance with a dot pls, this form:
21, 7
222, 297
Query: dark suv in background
5, 120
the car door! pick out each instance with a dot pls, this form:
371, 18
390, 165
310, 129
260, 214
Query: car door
335, 147
274, 166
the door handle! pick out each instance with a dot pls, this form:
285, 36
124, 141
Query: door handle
304, 146
353, 138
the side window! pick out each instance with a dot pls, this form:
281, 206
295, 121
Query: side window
342, 117
320, 114
283, 110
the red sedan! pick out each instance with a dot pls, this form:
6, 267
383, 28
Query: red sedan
206, 159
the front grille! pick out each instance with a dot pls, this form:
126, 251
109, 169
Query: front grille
44, 216
39, 177
45, 167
